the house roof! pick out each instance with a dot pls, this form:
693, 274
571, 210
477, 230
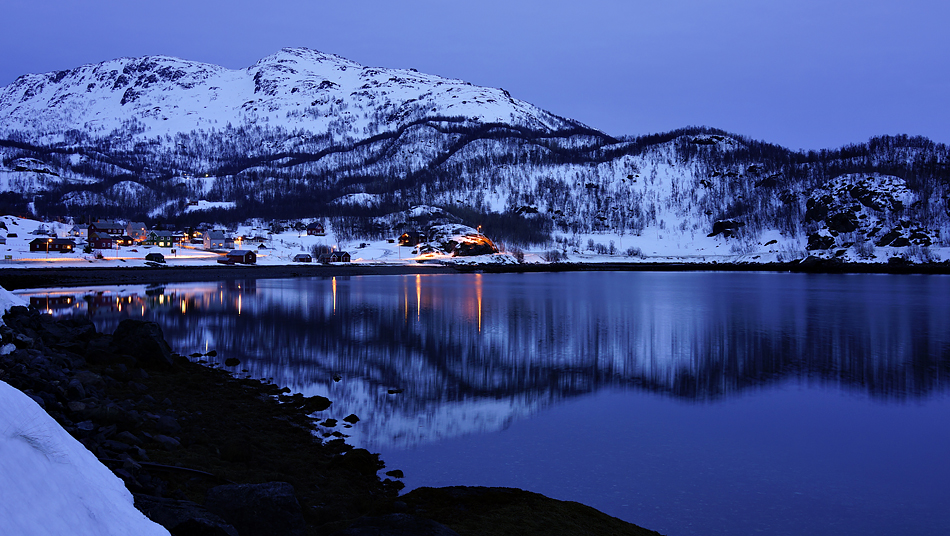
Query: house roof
107, 225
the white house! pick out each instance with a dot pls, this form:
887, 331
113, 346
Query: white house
214, 240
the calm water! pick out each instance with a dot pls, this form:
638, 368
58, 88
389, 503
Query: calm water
689, 403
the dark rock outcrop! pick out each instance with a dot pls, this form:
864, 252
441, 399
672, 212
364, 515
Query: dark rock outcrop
145, 341
726, 228
817, 241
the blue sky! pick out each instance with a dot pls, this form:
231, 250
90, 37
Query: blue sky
806, 74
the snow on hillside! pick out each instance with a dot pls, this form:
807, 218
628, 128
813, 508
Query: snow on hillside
208, 205
52, 485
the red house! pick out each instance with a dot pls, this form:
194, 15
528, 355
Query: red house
62, 245
316, 229
239, 256
100, 241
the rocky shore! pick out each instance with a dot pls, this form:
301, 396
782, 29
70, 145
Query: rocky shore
207, 453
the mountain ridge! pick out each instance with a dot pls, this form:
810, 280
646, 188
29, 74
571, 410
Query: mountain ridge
294, 83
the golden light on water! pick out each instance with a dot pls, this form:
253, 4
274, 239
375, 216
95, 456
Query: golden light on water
418, 295
478, 296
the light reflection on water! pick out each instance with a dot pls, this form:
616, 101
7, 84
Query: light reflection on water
584, 386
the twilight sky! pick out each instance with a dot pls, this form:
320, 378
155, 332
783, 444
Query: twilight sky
805, 74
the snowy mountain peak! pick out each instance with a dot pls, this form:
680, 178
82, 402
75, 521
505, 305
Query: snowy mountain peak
295, 88
298, 55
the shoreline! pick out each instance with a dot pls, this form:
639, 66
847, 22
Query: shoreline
25, 278
182, 434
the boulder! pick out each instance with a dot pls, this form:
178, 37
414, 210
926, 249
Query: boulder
170, 443
360, 461
818, 241
843, 222
726, 228
166, 424
888, 238
144, 341
258, 509
816, 209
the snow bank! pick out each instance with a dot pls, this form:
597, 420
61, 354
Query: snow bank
8, 300
51, 485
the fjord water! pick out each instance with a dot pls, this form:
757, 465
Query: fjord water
688, 403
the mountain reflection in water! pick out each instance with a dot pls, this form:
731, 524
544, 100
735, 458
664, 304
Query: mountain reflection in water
717, 403
471, 352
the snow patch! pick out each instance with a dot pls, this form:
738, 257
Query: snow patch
52, 484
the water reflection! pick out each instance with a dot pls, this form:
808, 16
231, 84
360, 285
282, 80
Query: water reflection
472, 352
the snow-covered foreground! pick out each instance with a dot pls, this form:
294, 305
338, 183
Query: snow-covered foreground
49, 483
52, 485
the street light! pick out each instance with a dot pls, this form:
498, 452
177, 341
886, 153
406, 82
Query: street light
48, 242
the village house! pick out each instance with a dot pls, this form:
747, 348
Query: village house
79, 231
100, 240
214, 240
334, 256
303, 257
137, 230
162, 239
316, 229
239, 256
412, 238
61, 245
111, 228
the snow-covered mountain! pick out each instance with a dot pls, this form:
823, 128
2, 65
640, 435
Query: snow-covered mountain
304, 134
296, 89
